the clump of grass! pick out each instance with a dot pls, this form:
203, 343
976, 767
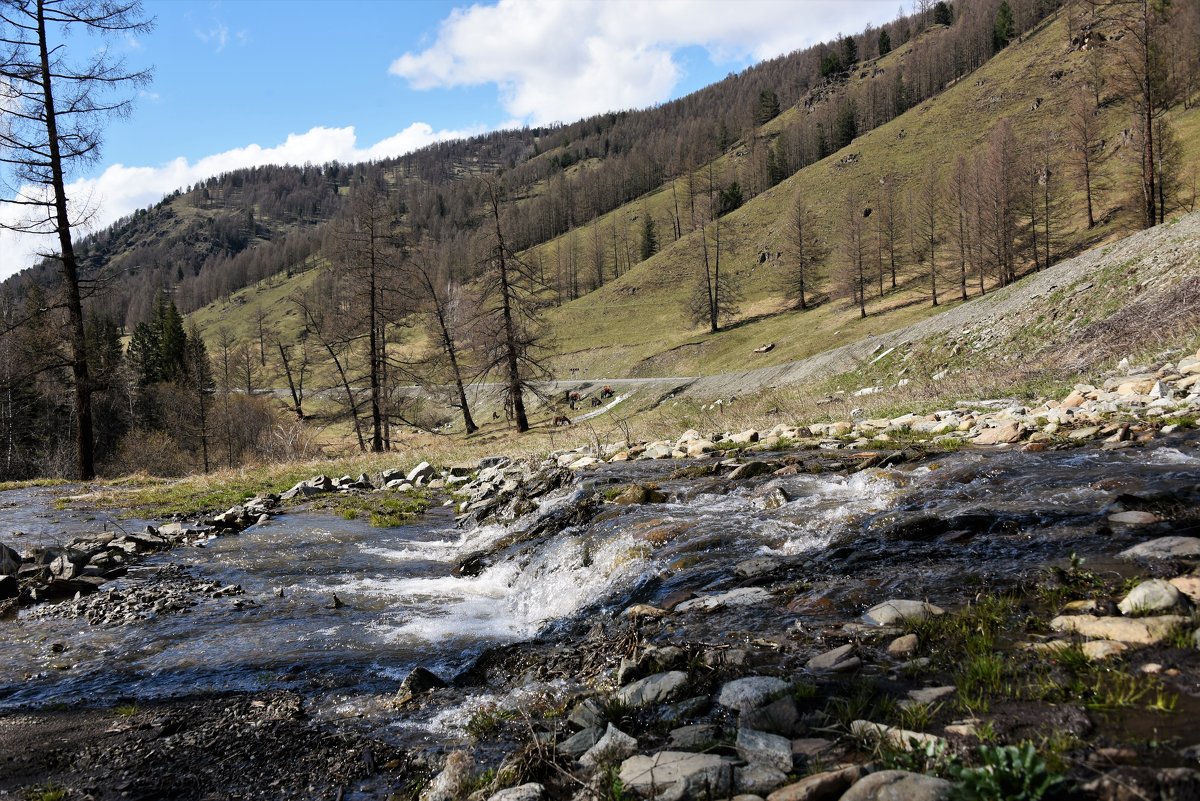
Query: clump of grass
382, 509
45, 792
487, 720
126, 710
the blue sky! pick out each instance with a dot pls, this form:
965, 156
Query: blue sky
244, 82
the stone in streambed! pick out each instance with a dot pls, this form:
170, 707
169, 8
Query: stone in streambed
659, 688
839, 660
640, 494
677, 775
755, 781
694, 738
1133, 518
524, 792
1099, 650
750, 470
614, 746
578, 744
903, 647
781, 717
453, 781
418, 682
826, 786
761, 748
1133, 631
1154, 596
1165, 548
898, 785
896, 611
751, 692
742, 596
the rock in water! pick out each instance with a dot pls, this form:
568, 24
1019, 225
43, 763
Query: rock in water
418, 682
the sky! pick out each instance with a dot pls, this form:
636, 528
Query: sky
238, 83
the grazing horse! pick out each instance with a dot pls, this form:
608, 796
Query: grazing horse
606, 393
562, 420
595, 402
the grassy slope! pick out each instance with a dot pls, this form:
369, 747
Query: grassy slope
635, 324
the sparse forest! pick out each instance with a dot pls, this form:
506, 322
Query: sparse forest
436, 269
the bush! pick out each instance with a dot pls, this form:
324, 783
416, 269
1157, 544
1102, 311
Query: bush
1007, 773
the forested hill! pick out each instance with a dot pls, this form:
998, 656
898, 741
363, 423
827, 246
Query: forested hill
814, 200
206, 241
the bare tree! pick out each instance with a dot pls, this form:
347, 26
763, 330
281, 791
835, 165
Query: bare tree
809, 252
927, 223
1140, 55
295, 368
853, 270
53, 110
326, 328
369, 245
510, 315
1083, 137
959, 195
446, 305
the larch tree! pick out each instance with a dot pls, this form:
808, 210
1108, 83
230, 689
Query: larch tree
928, 224
808, 251
510, 315
1083, 139
55, 99
853, 268
1143, 74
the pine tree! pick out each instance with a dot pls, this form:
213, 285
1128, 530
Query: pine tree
885, 43
1004, 29
649, 243
768, 107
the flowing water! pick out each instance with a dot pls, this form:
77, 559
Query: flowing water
404, 606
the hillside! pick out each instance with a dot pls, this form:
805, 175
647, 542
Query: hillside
635, 324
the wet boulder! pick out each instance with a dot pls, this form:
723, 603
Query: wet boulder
418, 682
10, 561
641, 494
9, 588
896, 611
1165, 548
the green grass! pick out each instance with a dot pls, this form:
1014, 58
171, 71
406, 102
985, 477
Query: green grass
384, 508
31, 483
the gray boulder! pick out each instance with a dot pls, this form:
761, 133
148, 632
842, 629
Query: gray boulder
761, 748
614, 746
659, 688
750, 692
896, 611
1165, 548
578, 744
840, 660
421, 473
678, 775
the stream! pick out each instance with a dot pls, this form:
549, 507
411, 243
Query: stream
860, 538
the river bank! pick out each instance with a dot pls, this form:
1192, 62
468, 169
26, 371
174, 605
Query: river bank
777, 612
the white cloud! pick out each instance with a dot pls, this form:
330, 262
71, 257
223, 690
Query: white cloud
120, 189
559, 60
